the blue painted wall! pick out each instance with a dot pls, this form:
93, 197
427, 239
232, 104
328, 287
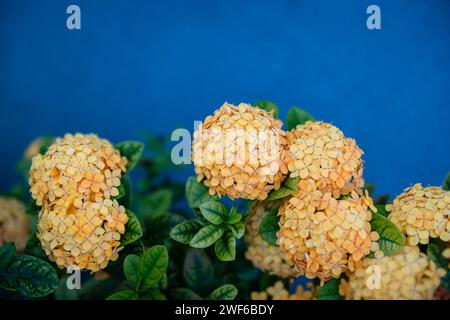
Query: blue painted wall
158, 65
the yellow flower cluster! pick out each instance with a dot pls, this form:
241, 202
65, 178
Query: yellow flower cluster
319, 151
278, 292
323, 236
79, 225
408, 274
421, 213
14, 223
263, 255
237, 152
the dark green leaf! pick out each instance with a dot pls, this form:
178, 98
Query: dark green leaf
206, 236
133, 230
185, 294
434, 252
198, 271
62, 292
132, 150
34, 248
152, 267
33, 277
296, 116
185, 231
288, 187
391, 239
131, 270
329, 291
269, 227
7, 252
124, 295
214, 211
155, 205
238, 229
154, 295
225, 292
225, 247
446, 184
268, 106
197, 193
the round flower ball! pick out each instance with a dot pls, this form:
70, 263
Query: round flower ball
323, 237
421, 213
237, 152
82, 234
14, 223
262, 254
319, 151
78, 165
406, 275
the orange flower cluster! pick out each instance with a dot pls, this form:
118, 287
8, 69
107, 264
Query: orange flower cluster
14, 222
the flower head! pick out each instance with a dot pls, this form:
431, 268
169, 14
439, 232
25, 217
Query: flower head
323, 236
408, 274
421, 213
237, 152
14, 222
279, 292
263, 255
319, 151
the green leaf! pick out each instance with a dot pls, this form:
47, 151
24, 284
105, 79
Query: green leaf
32, 209
185, 294
131, 270
381, 209
197, 193
206, 236
238, 229
214, 211
133, 229
329, 291
225, 292
152, 267
198, 271
185, 231
155, 205
446, 184
7, 252
33, 277
34, 248
269, 227
154, 295
268, 106
391, 239
434, 252
288, 187
132, 150
234, 218
124, 295
225, 247
296, 116
62, 292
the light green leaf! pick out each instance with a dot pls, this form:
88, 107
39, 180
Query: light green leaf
197, 193
391, 239
269, 227
214, 211
446, 184
152, 267
238, 229
185, 294
7, 252
268, 106
33, 277
329, 291
234, 218
132, 150
225, 292
206, 236
133, 229
288, 187
381, 209
225, 247
131, 270
124, 295
296, 116
185, 231
198, 271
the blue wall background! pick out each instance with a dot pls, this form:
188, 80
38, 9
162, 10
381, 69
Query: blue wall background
158, 65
